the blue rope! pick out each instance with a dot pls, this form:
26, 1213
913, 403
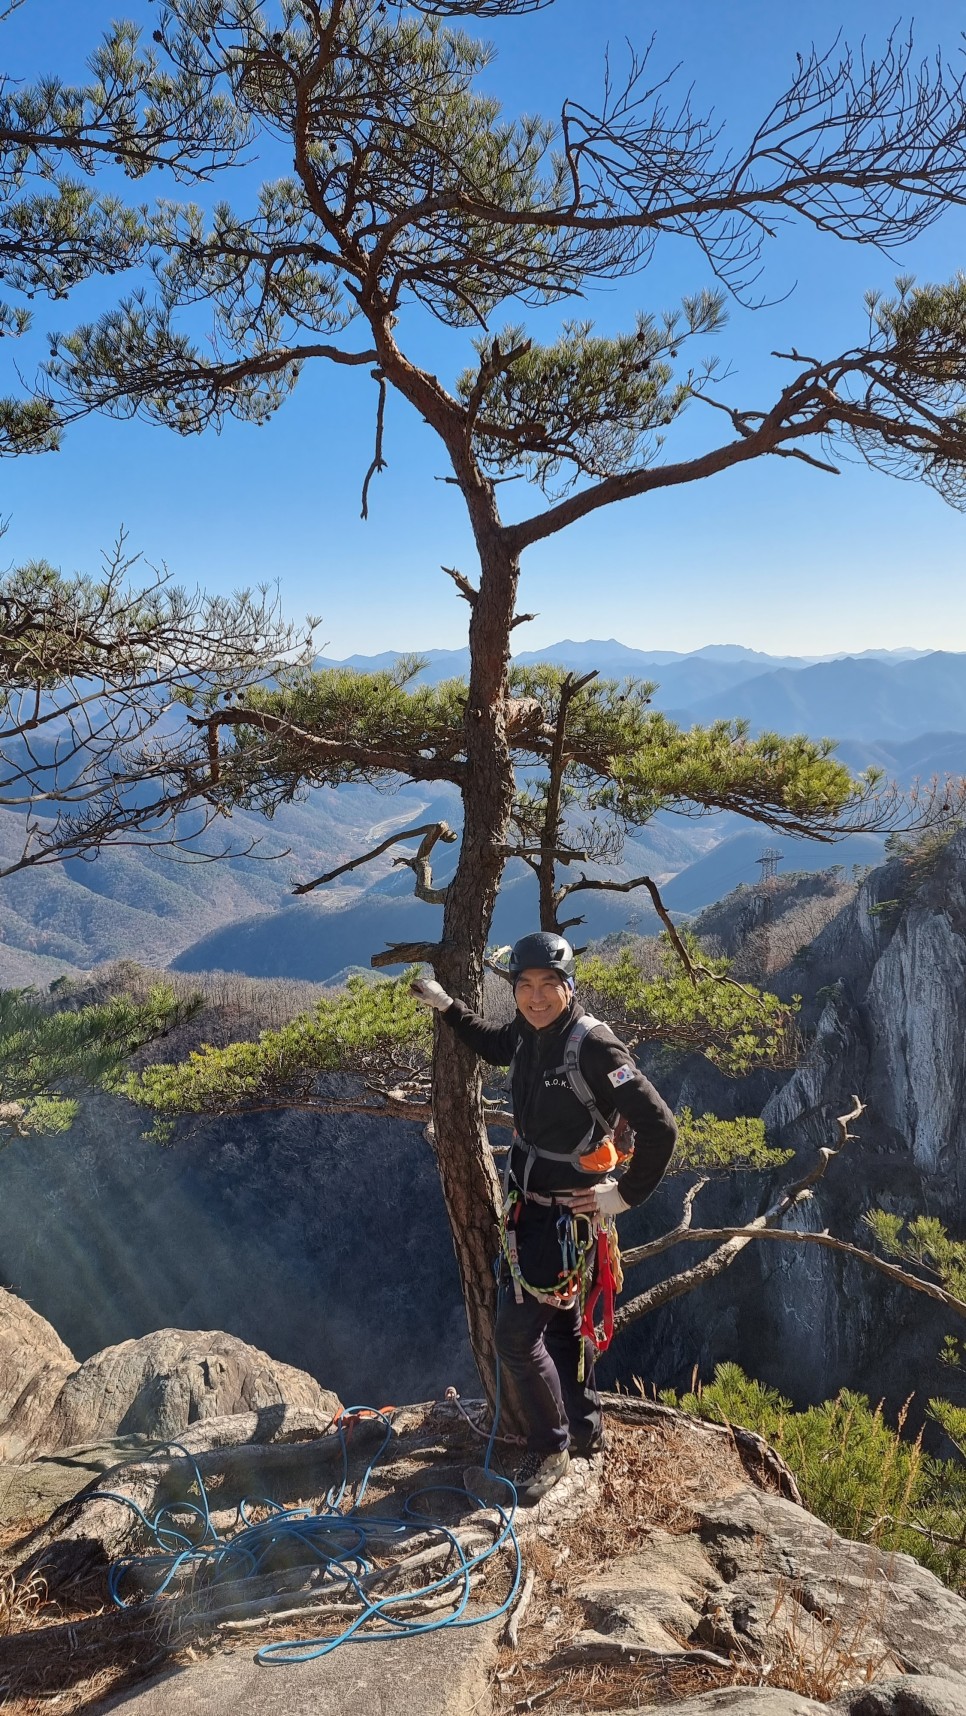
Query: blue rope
341, 1543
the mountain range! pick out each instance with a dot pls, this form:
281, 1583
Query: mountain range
877, 695
903, 711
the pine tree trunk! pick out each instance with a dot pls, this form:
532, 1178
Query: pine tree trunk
470, 1185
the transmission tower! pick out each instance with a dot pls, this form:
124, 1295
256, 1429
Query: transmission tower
769, 862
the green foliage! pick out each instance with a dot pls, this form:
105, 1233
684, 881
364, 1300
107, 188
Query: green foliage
626, 761
49, 1056
864, 1478
735, 1026
371, 1030
925, 1242
373, 726
952, 1419
952, 1352
707, 1143
585, 404
721, 766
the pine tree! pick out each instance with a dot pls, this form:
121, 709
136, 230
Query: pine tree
51, 1053
410, 192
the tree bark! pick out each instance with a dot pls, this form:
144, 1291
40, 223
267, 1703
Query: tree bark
464, 1158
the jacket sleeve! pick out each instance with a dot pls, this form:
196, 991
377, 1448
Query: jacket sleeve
617, 1083
493, 1043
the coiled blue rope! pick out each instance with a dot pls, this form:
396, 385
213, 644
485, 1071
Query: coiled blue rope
340, 1542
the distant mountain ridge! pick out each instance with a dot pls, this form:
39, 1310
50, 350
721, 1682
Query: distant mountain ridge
611, 656
851, 699
887, 697
903, 711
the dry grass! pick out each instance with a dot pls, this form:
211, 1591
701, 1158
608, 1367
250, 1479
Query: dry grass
20, 1605
653, 1476
51, 1658
821, 1655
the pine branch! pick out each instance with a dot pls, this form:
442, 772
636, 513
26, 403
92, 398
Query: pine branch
336, 751
407, 953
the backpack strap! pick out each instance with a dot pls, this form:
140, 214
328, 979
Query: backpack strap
575, 1078
580, 1029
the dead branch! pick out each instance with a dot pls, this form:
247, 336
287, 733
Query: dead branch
467, 590
640, 1253
517, 1614
725, 1255
378, 462
420, 864
798, 1236
440, 830
600, 1647
695, 968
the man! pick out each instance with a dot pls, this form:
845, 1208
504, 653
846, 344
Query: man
559, 1167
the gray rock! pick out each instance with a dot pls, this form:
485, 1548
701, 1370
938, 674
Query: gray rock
910, 1695
30, 1491
440, 1674
654, 1597
34, 1365
764, 1581
880, 1606
744, 1701
154, 1387
166, 1381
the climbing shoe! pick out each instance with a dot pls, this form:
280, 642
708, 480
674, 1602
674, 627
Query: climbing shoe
585, 1446
537, 1473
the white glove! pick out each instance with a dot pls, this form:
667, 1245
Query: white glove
603, 1200
608, 1200
431, 994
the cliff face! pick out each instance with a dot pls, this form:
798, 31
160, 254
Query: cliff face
885, 994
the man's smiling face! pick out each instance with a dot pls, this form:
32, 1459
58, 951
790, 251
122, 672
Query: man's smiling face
541, 996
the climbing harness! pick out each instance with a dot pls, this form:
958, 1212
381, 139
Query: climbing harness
590, 1268
186, 1543
602, 1148
590, 1254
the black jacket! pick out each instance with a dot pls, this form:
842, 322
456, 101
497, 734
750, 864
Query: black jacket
546, 1110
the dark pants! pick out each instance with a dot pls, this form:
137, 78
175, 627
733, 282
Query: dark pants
539, 1345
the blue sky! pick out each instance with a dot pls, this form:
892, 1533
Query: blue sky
774, 556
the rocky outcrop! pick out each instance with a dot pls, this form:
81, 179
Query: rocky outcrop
884, 1012
162, 1383
747, 1591
763, 1581
34, 1365
155, 1388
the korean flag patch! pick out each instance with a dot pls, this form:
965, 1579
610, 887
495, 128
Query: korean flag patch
620, 1075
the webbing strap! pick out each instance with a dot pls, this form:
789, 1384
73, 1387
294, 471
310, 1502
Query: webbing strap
604, 1289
